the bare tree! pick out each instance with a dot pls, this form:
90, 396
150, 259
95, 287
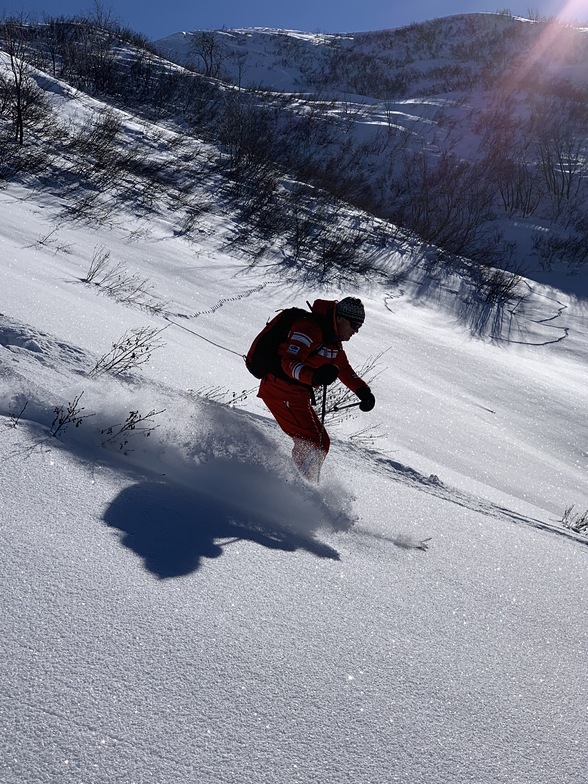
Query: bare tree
21, 96
561, 161
446, 202
206, 46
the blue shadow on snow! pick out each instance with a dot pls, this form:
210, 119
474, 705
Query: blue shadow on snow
172, 529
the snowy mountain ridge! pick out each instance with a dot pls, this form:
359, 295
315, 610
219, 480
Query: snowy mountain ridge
494, 94
445, 55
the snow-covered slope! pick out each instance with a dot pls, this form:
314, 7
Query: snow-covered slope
190, 611
179, 606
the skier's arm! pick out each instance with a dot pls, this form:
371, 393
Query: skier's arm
356, 384
347, 374
304, 338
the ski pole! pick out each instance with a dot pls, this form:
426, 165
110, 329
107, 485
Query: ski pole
323, 413
349, 405
324, 409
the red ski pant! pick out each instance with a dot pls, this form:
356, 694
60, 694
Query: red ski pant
299, 420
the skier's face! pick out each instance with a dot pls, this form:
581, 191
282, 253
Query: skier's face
346, 329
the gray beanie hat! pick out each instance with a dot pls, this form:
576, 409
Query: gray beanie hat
352, 309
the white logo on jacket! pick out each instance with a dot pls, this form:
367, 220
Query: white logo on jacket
301, 338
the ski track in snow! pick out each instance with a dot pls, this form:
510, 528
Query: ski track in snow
219, 304
432, 485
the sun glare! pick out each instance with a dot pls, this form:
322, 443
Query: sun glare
574, 11
557, 41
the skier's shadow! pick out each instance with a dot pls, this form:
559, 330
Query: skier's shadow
173, 529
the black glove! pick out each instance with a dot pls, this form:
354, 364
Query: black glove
326, 374
368, 401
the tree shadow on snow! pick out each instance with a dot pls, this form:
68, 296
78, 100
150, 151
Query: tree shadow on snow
486, 305
173, 529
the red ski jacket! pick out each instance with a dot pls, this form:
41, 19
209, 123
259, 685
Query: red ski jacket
312, 342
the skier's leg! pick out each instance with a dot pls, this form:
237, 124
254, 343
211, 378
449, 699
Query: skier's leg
311, 440
309, 459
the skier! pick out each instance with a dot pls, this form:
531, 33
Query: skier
313, 356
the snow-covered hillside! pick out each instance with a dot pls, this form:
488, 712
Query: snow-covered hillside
431, 54
477, 118
179, 606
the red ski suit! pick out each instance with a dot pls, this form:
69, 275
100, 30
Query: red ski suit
312, 342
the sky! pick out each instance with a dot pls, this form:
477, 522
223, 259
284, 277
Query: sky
157, 20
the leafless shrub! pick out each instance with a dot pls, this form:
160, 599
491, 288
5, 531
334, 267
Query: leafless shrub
341, 401
221, 395
21, 97
124, 287
70, 414
496, 286
210, 53
135, 424
132, 350
98, 265
447, 203
95, 150
561, 156
554, 250
575, 521
50, 240
14, 418
105, 167
518, 184
368, 436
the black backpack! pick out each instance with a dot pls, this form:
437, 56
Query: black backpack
262, 357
